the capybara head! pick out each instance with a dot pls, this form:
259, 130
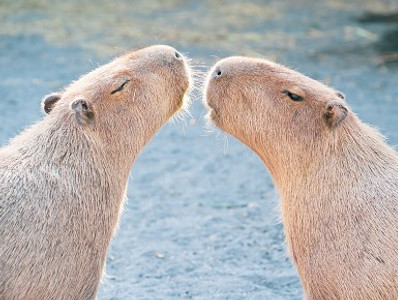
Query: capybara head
271, 108
140, 89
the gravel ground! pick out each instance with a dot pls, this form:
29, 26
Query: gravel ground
202, 218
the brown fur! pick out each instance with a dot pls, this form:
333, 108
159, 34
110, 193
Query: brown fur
63, 180
337, 178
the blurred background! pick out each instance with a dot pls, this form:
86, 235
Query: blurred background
202, 220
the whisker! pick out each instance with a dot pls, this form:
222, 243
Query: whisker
226, 144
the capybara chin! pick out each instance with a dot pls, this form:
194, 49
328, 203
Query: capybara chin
63, 180
337, 178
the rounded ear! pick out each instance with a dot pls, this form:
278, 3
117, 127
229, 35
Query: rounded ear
340, 95
83, 111
334, 114
49, 101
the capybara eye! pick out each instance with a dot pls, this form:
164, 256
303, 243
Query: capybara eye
293, 96
177, 55
121, 87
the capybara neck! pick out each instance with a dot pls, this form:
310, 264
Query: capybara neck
350, 147
71, 146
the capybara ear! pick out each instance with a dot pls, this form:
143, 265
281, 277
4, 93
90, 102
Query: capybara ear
83, 110
49, 101
335, 113
340, 95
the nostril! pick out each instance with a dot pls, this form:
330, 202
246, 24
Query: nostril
177, 55
217, 73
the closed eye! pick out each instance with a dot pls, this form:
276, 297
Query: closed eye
293, 96
120, 87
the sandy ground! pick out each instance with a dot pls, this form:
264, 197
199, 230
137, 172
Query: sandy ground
202, 218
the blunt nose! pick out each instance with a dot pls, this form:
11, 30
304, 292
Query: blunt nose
217, 73
172, 57
178, 55
164, 53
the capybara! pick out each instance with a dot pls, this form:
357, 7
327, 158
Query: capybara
63, 180
336, 176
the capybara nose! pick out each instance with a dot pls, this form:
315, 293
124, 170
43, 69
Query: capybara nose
171, 56
177, 55
217, 73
